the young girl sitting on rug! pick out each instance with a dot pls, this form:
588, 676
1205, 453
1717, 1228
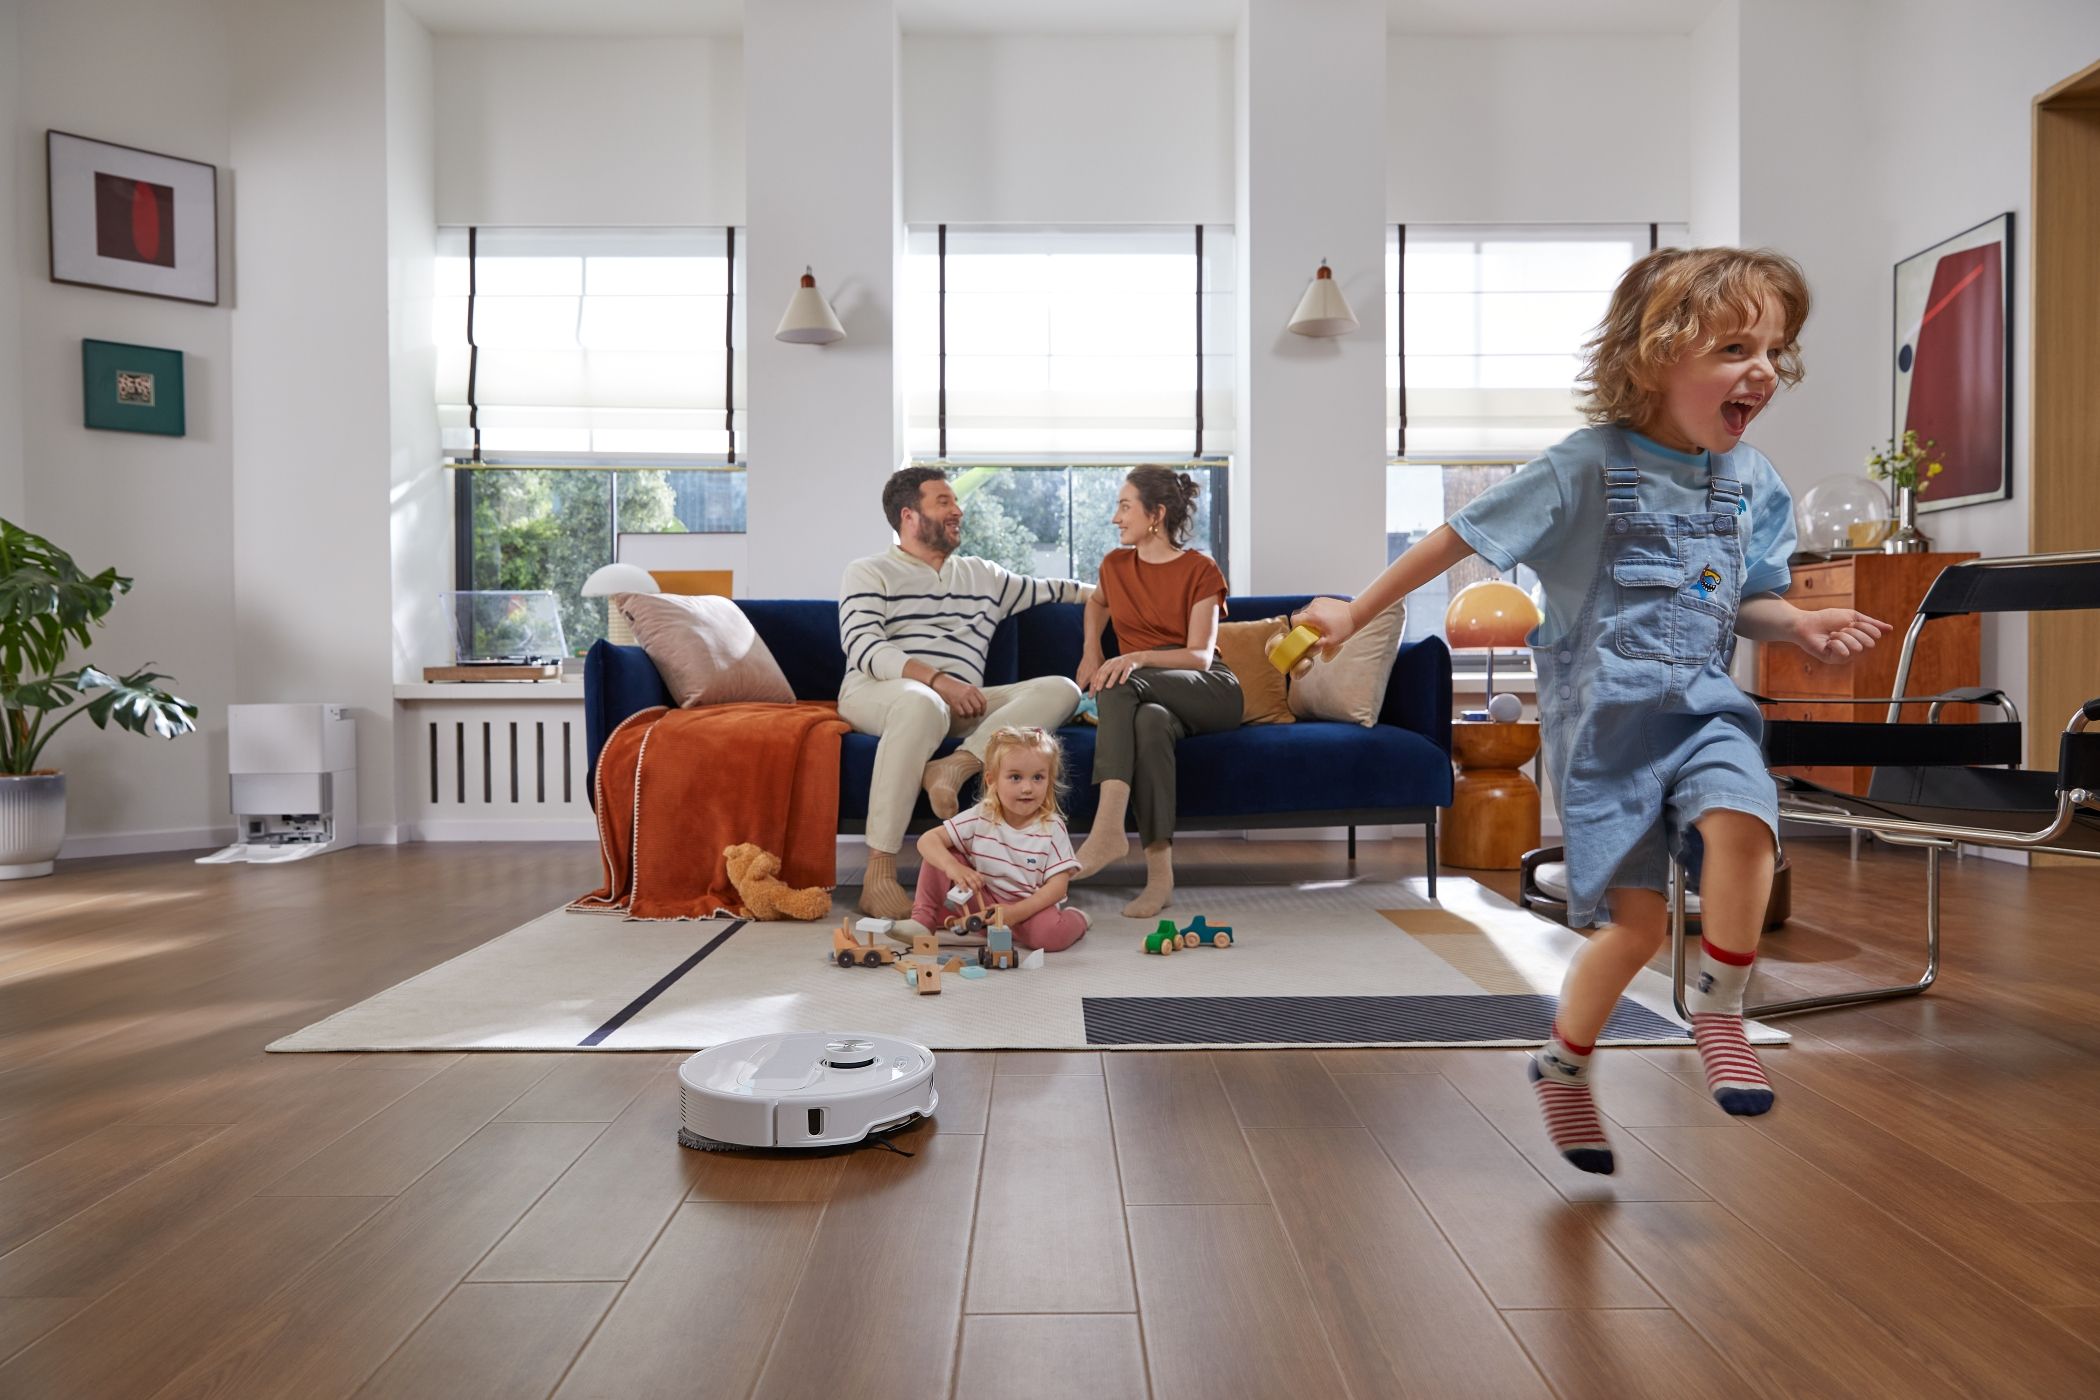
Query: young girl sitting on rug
1010, 851
1659, 537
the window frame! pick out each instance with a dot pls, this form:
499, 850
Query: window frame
1470, 664
466, 467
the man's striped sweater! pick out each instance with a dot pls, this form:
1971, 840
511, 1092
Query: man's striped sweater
894, 608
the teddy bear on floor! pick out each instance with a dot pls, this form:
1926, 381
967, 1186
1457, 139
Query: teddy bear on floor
756, 874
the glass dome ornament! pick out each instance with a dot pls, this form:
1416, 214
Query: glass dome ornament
1842, 513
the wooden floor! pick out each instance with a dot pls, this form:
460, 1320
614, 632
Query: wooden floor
181, 1215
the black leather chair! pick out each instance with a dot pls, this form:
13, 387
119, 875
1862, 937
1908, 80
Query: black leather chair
1939, 785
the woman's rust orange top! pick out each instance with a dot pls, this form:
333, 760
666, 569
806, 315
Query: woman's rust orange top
1150, 603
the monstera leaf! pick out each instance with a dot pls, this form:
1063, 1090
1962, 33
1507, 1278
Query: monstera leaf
47, 606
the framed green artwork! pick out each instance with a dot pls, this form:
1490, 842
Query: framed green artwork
132, 388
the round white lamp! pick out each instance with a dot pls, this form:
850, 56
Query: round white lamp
1323, 310
809, 319
618, 578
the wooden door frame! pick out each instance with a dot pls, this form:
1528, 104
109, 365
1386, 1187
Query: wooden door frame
2063, 485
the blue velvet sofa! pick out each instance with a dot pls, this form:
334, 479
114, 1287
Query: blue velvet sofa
1311, 773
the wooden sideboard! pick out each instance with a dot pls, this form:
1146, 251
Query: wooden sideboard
1885, 586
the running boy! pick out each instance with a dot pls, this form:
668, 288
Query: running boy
1659, 537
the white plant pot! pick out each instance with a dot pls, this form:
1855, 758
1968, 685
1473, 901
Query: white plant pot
32, 823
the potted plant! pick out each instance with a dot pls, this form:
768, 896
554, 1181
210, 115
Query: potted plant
1909, 467
46, 607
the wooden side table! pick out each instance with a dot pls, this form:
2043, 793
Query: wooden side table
1890, 587
1494, 816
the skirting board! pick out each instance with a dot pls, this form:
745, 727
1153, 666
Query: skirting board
140, 843
202, 838
469, 829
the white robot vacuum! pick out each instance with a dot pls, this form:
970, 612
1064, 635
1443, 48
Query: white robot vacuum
804, 1089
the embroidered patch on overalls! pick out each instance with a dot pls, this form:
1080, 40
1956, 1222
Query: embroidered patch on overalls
1708, 583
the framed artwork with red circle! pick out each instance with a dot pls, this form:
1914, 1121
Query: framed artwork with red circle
1953, 362
132, 221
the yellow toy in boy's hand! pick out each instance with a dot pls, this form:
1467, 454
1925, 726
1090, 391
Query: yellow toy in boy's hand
1294, 652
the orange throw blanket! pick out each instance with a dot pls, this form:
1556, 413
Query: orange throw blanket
675, 787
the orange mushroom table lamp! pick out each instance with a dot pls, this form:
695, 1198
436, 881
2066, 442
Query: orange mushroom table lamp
1494, 816
1491, 614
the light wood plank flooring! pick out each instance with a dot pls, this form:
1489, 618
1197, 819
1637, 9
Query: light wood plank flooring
184, 1216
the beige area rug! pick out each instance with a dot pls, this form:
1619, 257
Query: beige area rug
1331, 963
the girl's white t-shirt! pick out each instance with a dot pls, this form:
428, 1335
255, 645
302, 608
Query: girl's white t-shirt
1014, 862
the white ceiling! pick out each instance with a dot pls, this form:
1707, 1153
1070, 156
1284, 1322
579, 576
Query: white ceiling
1450, 17
579, 17
1509, 17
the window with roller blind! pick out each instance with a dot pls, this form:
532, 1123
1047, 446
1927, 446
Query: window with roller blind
1485, 329
1041, 364
590, 382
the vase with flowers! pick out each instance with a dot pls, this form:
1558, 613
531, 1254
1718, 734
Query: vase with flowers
1908, 465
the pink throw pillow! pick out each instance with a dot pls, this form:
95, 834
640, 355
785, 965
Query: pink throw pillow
705, 648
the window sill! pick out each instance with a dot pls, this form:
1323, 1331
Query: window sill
1475, 682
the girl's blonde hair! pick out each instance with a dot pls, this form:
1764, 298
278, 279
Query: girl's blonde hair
1038, 741
1681, 301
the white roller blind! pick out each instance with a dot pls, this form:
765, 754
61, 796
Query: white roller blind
1069, 342
592, 342
1495, 319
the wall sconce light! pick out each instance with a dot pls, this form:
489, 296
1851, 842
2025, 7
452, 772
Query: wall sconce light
809, 319
618, 578
1322, 311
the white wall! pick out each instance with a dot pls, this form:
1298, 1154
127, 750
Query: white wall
1535, 130
823, 192
1068, 130
149, 73
621, 132
419, 502
14, 138
1849, 183
312, 578
1714, 128
1951, 164
1311, 458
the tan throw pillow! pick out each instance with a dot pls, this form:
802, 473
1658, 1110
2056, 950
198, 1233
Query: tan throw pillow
1262, 697
706, 649
1351, 687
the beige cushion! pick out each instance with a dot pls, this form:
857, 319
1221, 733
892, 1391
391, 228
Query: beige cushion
705, 648
1262, 697
1351, 687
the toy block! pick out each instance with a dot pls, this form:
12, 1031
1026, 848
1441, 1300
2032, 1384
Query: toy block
973, 973
874, 925
925, 945
1033, 961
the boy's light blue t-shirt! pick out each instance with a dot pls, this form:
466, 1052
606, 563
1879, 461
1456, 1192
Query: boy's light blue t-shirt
1549, 516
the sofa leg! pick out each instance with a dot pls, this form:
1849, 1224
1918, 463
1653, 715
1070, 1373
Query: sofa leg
1429, 849
1352, 845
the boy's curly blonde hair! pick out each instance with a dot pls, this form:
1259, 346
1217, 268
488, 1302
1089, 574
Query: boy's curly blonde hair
1031, 740
1681, 301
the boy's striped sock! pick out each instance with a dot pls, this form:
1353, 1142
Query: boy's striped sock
1733, 1075
1560, 1076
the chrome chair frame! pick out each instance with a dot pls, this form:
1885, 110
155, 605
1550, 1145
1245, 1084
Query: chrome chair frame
1935, 837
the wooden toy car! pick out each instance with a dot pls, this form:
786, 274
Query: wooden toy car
1200, 931
1164, 939
998, 950
847, 949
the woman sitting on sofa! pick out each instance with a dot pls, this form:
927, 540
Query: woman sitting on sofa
1168, 681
